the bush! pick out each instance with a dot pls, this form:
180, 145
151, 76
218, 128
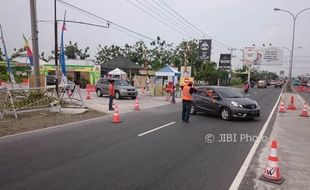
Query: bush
236, 82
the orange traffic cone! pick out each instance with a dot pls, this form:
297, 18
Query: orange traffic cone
116, 118
292, 105
282, 108
88, 97
272, 171
304, 112
137, 104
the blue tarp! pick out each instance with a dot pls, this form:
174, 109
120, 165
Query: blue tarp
168, 71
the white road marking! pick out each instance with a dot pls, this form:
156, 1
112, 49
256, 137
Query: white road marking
150, 131
236, 183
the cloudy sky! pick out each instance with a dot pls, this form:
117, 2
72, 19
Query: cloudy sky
230, 23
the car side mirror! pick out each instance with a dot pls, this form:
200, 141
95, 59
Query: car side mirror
216, 97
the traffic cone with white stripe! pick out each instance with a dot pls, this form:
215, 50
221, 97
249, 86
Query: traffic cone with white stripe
272, 170
282, 108
137, 104
116, 118
304, 112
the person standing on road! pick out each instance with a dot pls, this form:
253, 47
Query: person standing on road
187, 92
111, 95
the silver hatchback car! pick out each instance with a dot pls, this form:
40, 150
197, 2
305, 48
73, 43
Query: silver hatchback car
122, 88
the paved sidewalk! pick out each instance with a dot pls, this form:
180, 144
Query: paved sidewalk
125, 105
292, 133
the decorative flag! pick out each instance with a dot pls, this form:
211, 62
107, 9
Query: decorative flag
62, 53
8, 64
29, 52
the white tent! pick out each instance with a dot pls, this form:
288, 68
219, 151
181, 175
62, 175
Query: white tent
117, 73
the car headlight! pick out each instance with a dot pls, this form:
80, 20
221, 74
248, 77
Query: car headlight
236, 104
123, 90
256, 103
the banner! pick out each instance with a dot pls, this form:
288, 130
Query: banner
225, 61
8, 62
28, 50
62, 53
204, 49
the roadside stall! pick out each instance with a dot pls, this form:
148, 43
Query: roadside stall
117, 73
162, 77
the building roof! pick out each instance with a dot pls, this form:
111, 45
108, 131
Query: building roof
23, 59
120, 62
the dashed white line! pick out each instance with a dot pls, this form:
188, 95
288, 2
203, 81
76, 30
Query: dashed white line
150, 131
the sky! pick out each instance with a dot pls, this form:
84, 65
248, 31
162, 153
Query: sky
229, 23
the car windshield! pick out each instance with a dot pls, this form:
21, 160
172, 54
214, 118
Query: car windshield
229, 93
121, 83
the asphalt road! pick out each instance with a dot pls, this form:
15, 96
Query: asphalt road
98, 154
306, 96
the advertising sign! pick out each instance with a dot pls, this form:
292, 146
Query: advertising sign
205, 49
271, 56
225, 61
185, 80
251, 56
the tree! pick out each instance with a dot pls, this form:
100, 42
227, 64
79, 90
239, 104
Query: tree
17, 52
107, 53
72, 51
1, 55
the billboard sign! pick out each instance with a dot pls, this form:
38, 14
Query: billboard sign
251, 56
271, 56
262, 56
205, 49
225, 61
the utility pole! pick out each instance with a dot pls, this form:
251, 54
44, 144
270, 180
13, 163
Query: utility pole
231, 58
56, 47
35, 43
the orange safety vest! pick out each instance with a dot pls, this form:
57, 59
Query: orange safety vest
185, 94
111, 90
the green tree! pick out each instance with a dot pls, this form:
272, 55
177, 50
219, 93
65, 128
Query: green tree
107, 53
72, 51
1, 55
17, 52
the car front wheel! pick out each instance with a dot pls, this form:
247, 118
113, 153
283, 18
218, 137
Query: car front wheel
117, 95
99, 93
225, 114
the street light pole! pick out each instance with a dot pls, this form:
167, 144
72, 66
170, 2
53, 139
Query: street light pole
293, 41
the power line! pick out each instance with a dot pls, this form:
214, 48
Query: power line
171, 20
157, 18
110, 22
177, 18
170, 8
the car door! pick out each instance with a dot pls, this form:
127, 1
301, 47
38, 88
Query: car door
105, 87
212, 104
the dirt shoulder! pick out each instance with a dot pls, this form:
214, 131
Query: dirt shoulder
41, 119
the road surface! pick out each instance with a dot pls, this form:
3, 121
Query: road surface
150, 149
